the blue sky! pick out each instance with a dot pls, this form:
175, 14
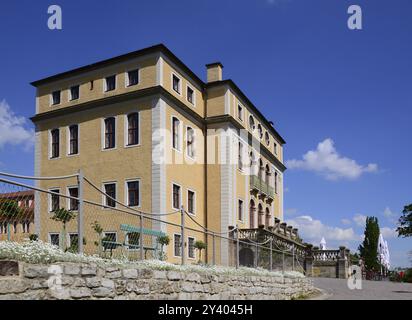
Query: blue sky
345, 95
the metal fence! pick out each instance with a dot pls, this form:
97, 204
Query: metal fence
102, 225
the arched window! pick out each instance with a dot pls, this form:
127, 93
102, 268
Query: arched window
252, 125
260, 131
268, 174
267, 138
260, 215
252, 210
133, 129
176, 133
267, 218
109, 133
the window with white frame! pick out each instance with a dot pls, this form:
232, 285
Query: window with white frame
191, 247
133, 129
190, 141
176, 133
54, 239
55, 143
132, 78
190, 95
56, 97
54, 201
73, 204
133, 193
110, 236
176, 83
110, 83
176, 196
110, 133
110, 197
74, 139
177, 245
240, 210
74, 92
191, 202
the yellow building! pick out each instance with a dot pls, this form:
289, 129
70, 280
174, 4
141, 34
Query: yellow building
148, 131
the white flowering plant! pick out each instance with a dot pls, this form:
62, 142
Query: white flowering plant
39, 252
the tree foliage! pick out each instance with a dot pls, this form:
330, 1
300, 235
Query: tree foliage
9, 208
405, 222
369, 248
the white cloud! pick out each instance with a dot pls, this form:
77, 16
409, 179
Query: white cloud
13, 128
312, 230
360, 220
326, 161
346, 222
388, 233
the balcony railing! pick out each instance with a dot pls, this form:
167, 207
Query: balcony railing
256, 183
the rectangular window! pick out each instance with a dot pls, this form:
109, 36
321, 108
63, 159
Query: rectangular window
240, 112
56, 97
176, 133
133, 193
73, 139
190, 140
74, 92
133, 129
276, 182
240, 156
176, 196
275, 147
54, 201
177, 245
110, 236
191, 202
191, 247
73, 241
176, 84
73, 204
54, 239
110, 191
132, 77
240, 210
190, 95
111, 83
109, 133
55, 143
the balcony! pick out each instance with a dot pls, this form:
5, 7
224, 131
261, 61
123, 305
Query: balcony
261, 187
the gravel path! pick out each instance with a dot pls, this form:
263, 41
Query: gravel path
337, 289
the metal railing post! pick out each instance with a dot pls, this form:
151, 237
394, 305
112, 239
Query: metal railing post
80, 217
237, 247
214, 249
270, 256
182, 212
141, 237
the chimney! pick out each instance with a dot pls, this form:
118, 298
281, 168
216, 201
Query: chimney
214, 72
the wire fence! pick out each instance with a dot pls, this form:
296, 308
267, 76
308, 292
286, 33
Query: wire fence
101, 224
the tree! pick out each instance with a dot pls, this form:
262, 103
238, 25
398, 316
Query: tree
405, 222
64, 216
163, 241
369, 248
9, 210
99, 230
200, 245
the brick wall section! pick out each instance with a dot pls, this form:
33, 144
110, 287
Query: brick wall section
88, 281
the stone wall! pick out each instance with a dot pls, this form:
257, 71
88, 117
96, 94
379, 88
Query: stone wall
89, 281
